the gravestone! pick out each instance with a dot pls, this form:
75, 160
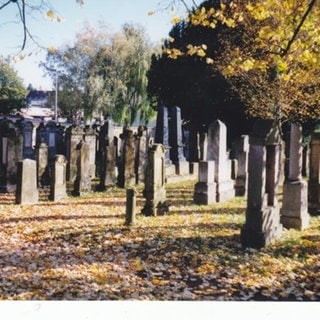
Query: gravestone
51, 140
162, 137
203, 143
294, 211
91, 138
107, 153
58, 189
27, 134
42, 164
11, 153
26, 191
141, 157
74, 135
262, 225
217, 152
241, 184
314, 178
205, 188
127, 177
154, 187
176, 142
82, 183
194, 143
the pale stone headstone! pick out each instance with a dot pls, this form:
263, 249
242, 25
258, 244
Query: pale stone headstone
91, 138
42, 164
205, 188
262, 224
241, 185
154, 190
58, 190
217, 152
26, 191
294, 211
141, 155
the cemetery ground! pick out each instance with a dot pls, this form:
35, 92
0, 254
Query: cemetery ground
80, 249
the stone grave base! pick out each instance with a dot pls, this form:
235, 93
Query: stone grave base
194, 168
170, 170
225, 191
205, 193
182, 168
294, 211
240, 186
272, 229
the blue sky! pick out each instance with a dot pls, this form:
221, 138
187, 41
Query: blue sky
114, 13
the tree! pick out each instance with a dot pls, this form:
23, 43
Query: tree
12, 90
273, 63
104, 74
27, 9
190, 82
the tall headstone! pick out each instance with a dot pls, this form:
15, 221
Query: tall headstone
82, 182
11, 153
74, 135
27, 133
294, 211
107, 153
176, 142
51, 140
205, 188
154, 187
58, 189
203, 143
127, 177
162, 137
241, 185
217, 152
91, 138
141, 158
43, 174
26, 191
262, 225
314, 178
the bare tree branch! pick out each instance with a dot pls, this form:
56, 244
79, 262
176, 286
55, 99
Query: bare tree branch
297, 30
5, 4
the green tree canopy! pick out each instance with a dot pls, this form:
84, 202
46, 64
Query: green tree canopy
12, 89
104, 74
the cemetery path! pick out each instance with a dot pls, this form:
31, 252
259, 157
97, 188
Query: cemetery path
80, 249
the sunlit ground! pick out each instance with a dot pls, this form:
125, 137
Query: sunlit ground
80, 249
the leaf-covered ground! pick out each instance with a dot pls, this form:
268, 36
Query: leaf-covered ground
80, 249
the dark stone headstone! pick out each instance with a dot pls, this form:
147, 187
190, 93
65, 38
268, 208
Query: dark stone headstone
154, 190
262, 224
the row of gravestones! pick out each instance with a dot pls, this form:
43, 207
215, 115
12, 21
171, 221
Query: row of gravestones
113, 158
90, 152
256, 173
